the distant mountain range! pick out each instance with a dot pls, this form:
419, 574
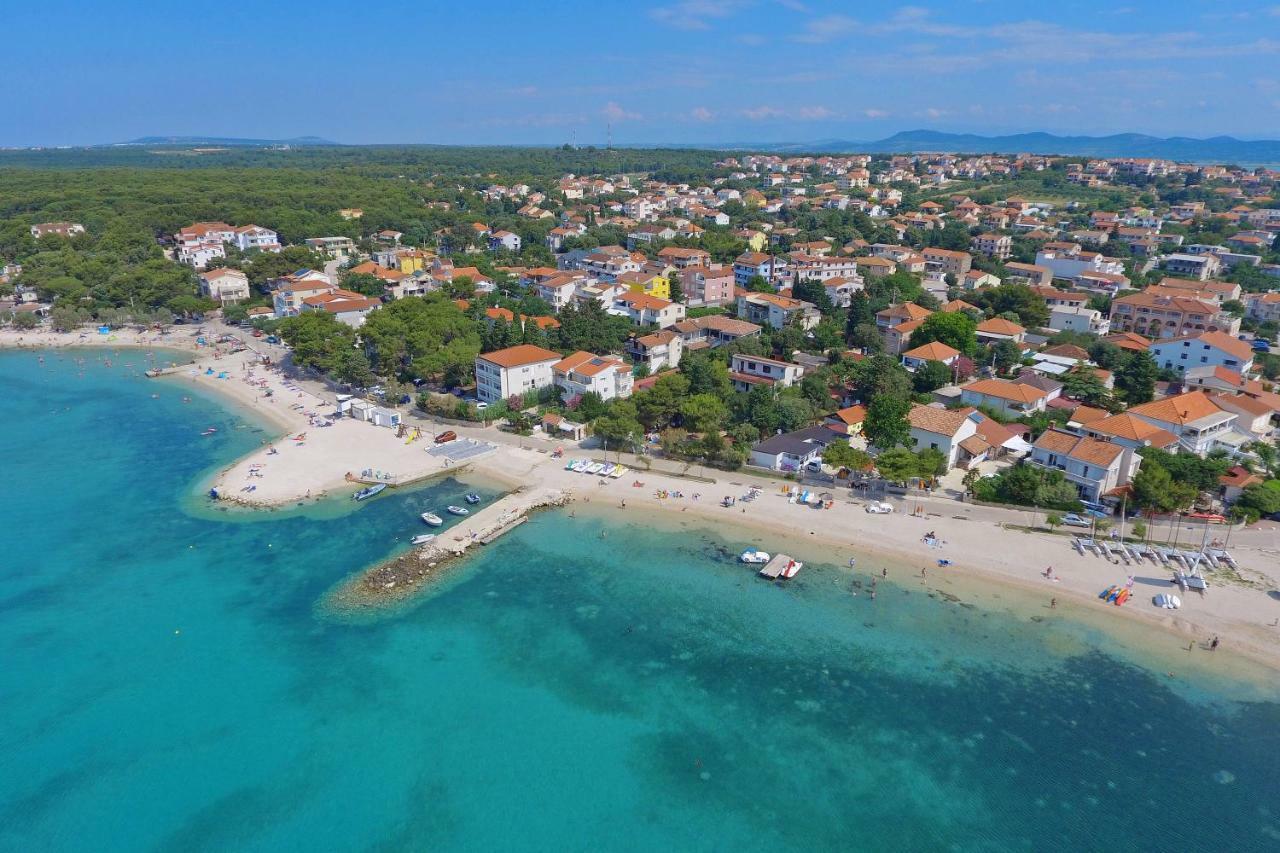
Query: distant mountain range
227, 141
1217, 149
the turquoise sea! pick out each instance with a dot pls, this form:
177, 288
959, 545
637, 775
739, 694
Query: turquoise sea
169, 680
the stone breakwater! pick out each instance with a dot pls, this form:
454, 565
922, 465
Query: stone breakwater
405, 575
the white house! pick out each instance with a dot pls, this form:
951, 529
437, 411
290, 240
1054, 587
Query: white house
1076, 319
504, 240
748, 370
791, 451
1014, 399
644, 310
227, 286
257, 238
657, 350
1212, 349
1094, 467
514, 371
942, 429
916, 358
583, 373
1199, 424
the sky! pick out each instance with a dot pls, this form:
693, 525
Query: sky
671, 71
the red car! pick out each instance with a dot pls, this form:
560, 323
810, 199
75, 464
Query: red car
448, 435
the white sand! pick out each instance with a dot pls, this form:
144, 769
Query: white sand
978, 547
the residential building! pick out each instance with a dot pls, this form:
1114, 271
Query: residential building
344, 305
1263, 307
748, 370
916, 358
288, 298
645, 310
792, 451
657, 350
1087, 320
1159, 317
1212, 349
993, 245
56, 229
227, 286
848, 420
875, 267
585, 373
1032, 274
941, 429
1202, 267
999, 329
682, 258
707, 285
713, 330
514, 371
1094, 467
333, 247
255, 238
770, 309
750, 264
1199, 424
644, 281
1013, 399
947, 262
504, 240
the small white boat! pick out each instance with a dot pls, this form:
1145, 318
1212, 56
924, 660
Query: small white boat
472, 498
579, 466
423, 538
432, 519
458, 510
607, 470
792, 569
594, 468
751, 555
369, 491
571, 465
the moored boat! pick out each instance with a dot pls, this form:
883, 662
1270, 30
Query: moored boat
432, 519
458, 510
423, 538
752, 555
472, 498
369, 491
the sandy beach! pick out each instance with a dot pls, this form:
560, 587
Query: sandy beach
310, 462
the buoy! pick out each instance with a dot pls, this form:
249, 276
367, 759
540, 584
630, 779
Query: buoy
176, 632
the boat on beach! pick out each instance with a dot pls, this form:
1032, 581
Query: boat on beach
368, 492
752, 555
423, 538
458, 510
432, 519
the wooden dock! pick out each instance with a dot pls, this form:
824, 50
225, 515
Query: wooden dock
775, 567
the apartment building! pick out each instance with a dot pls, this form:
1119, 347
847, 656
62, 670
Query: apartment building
993, 245
586, 373
1094, 467
514, 371
746, 371
1157, 317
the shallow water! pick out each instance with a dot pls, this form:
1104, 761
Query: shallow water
170, 681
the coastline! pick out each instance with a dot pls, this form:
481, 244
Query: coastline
987, 560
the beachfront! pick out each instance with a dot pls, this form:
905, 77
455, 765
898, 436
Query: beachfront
310, 462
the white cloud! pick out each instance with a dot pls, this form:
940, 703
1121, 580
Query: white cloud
933, 112
763, 112
874, 113
701, 114
814, 113
614, 112
825, 29
694, 14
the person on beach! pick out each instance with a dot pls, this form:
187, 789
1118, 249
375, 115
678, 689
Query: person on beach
1053, 603
1213, 647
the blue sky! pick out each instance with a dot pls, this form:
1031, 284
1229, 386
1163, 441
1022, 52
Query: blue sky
666, 71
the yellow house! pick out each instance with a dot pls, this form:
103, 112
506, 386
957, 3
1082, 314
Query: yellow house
756, 240
652, 284
414, 260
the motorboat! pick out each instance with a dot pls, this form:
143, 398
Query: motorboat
369, 491
458, 510
432, 519
754, 556
423, 538
210, 431
472, 498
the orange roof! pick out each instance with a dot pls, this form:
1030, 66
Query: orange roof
937, 420
1000, 326
1129, 341
1004, 390
852, 415
1182, 409
520, 355
932, 351
1088, 414
644, 301
1127, 426
1090, 450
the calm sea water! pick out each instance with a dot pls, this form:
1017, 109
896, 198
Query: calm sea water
170, 681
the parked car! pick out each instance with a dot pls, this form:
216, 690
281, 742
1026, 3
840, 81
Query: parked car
879, 507
1073, 520
273, 339
447, 435
1261, 346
